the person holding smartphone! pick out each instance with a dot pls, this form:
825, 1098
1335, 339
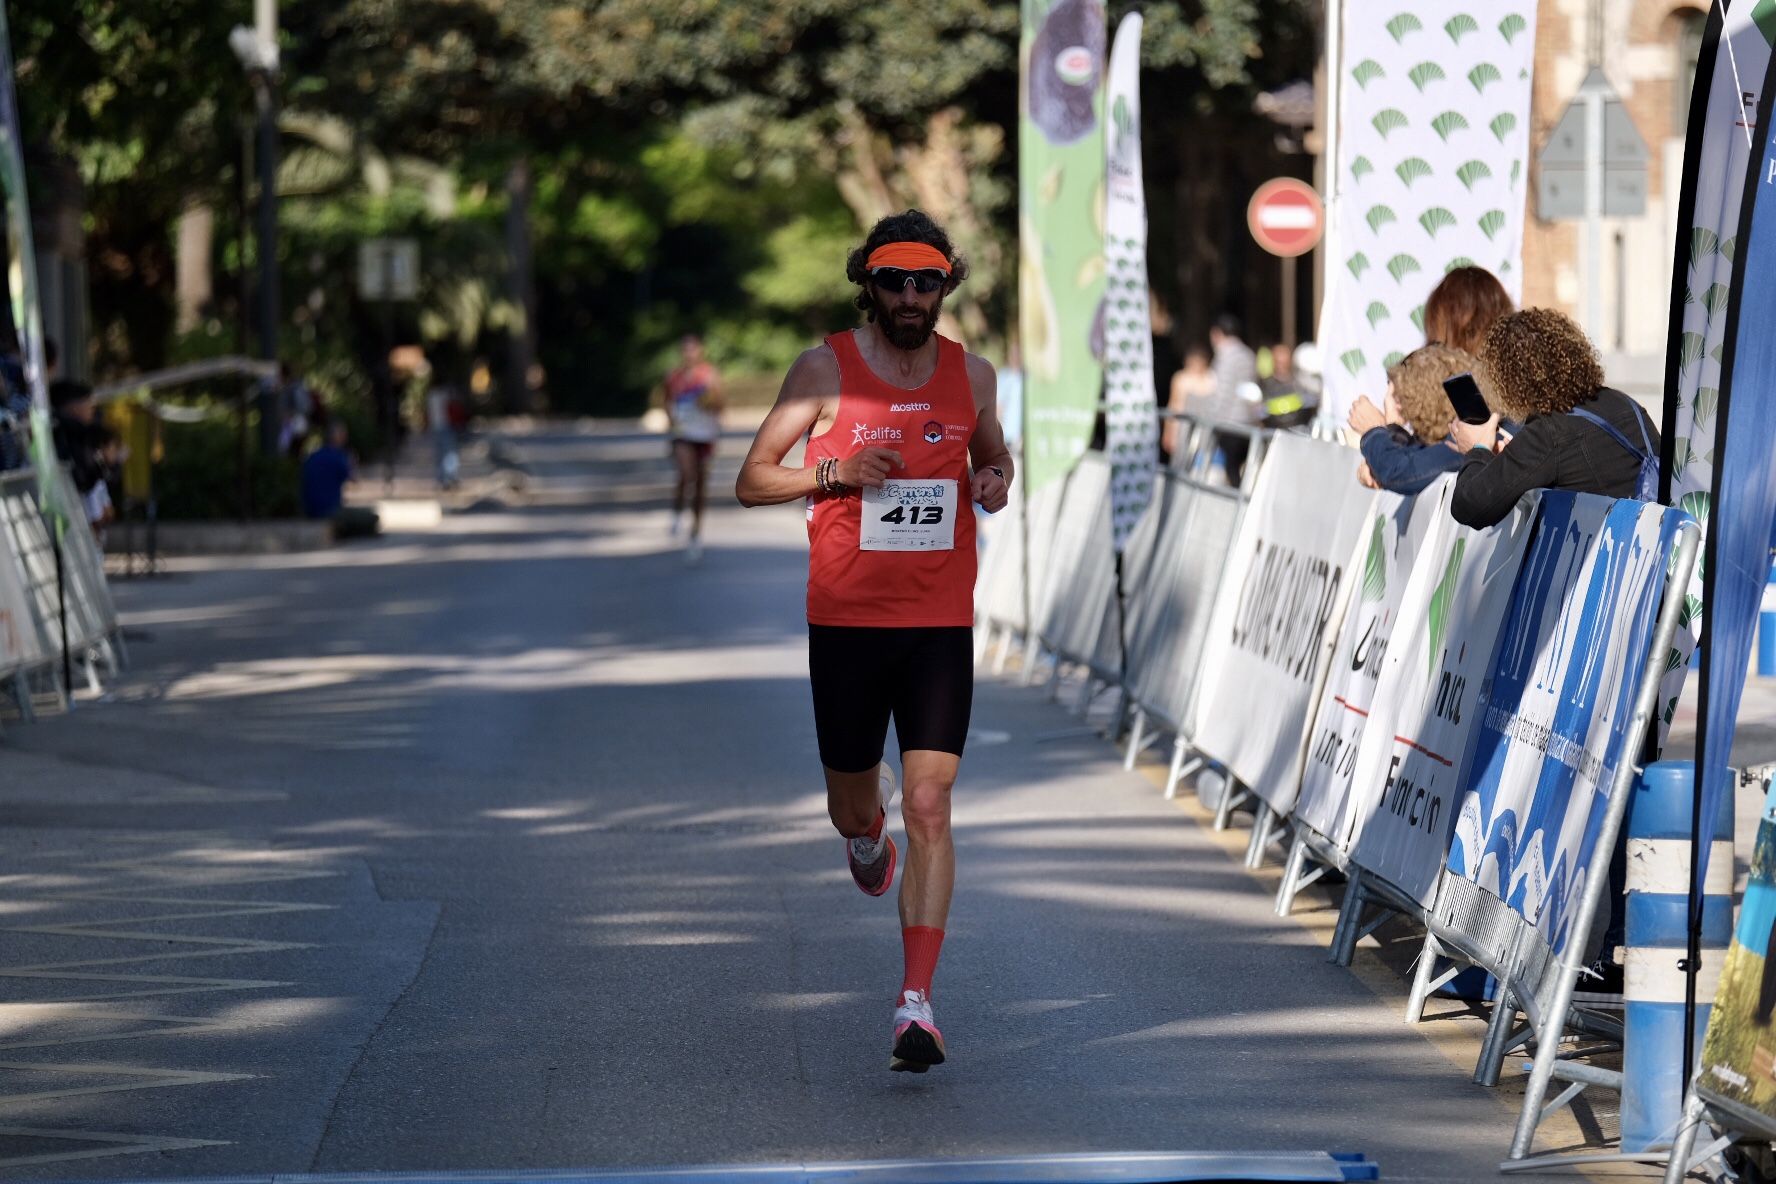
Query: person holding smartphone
1538, 367
1409, 445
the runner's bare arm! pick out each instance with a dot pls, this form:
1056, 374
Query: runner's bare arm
986, 449
764, 479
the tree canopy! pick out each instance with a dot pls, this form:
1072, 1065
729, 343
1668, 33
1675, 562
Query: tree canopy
698, 163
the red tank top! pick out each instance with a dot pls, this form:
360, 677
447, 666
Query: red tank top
930, 427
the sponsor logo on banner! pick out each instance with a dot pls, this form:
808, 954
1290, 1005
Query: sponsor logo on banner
1061, 264
1285, 602
1554, 726
863, 433
1278, 611
1401, 801
1395, 535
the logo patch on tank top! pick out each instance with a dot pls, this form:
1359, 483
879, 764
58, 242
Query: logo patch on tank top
863, 433
933, 432
898, 407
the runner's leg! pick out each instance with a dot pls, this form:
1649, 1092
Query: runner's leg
851, 711
684, 459
933, 697
930, 876
699, 486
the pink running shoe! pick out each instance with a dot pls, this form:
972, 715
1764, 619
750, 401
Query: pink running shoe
918, 1044
872, 860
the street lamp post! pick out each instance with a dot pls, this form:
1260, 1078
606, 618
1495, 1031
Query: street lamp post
257, 50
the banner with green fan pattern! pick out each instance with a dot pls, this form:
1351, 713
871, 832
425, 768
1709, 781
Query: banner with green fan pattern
1431, 173
1716, 164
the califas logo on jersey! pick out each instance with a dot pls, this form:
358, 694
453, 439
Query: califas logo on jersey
863, 433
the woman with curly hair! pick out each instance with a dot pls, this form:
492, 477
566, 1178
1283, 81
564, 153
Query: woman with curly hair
1410, 446
1538, 367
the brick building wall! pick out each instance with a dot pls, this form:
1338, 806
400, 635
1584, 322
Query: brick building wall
1648, 51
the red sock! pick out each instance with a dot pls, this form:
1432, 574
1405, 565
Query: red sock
921, 943
875, 832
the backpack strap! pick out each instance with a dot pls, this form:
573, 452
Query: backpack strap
1615, 433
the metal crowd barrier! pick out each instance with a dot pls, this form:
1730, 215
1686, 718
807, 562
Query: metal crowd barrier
1201, 520
1173, 571
52, 584
1081, 588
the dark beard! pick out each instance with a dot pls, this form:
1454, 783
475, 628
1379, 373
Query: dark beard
899, 333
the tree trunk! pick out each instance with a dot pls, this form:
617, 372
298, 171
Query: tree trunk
195, 253
520, 289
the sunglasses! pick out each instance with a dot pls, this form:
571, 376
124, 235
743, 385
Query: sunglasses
895, 279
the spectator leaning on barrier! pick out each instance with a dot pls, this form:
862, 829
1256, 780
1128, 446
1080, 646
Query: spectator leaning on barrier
1462, 307
1410, 446
1578, 434
75, 431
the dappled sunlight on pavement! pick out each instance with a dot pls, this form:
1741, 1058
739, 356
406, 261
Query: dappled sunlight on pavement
507, 840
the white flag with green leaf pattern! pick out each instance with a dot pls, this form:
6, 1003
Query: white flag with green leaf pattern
1729, 82
1431, 174
1130, 424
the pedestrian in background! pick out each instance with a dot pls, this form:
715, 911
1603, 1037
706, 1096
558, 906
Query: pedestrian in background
1192, 390
439, 422
1236, 396
1286, 401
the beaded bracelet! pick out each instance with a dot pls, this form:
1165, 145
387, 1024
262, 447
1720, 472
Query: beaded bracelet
825, 478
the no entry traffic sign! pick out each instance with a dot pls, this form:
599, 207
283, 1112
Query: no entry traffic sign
1286, 217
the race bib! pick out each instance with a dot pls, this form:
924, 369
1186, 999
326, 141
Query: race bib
905, 515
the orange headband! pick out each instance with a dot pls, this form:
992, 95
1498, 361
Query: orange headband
909, 257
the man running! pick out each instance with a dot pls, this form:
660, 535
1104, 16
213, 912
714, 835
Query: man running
903, 433
693, 405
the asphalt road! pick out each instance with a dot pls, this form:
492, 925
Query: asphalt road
502, 846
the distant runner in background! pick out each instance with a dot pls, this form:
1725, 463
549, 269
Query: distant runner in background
693, 405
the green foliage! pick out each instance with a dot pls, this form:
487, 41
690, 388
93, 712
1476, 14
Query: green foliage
200, 476
698, 166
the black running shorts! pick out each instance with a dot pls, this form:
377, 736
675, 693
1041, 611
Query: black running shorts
921, 678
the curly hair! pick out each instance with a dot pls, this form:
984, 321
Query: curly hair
913, 226
1537, 362
1463, 307
1418, 388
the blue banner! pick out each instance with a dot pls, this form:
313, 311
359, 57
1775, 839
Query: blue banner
1736, 563
1555, 713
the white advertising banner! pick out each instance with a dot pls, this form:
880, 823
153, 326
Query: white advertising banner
1432, 166
1131, 423
1418, 737
1553, 727
19, 642
1277, 615
1398, 529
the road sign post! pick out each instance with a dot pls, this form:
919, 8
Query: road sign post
1593, 167
1287, 219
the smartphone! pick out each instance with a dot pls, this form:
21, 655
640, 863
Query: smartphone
1464, 395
